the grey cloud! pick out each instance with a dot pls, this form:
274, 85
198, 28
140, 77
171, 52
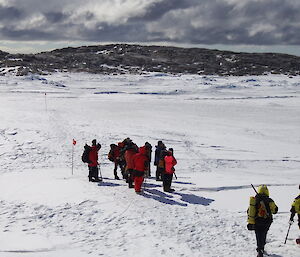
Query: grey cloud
200, 22
275, 10
133, 32
9, 13
25, 34
158, 9
228, 23
55, 17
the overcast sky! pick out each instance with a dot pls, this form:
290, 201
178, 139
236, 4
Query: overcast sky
252, 25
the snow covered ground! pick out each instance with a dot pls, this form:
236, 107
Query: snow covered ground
227, 132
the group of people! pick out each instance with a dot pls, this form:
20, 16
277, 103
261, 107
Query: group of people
260, 215
134, 163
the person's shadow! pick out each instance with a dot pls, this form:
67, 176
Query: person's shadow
194, 199
161, 197
167, 198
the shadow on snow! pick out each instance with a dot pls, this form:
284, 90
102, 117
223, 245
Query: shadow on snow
161, 197
185, 198
108, 184
182, 183
194, 199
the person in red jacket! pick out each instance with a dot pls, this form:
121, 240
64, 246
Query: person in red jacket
170, 162
131, 150
93, 162
140, 162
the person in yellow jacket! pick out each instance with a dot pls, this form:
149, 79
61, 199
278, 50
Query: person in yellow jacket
260, 216
296, 209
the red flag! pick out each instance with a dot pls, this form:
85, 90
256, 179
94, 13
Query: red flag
74, 141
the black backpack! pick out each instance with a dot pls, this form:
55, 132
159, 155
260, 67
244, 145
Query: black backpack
85, 155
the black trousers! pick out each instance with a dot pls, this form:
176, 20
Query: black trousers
261, 235
149, 170
122, 166
93, 173
159, 173
129, 177
167, 181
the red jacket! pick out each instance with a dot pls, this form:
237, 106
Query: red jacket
129, 159
170, 162
93, 156
116, 153
140, 160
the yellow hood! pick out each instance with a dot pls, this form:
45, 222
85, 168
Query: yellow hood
263, 190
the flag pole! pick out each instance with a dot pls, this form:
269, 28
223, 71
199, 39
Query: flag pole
73, 145
72, 158
46, 108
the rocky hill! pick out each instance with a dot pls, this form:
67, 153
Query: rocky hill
123, 58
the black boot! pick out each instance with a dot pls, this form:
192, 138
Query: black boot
130, 185
260, 253
167, 189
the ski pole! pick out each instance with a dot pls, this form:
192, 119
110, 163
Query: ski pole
175, 175
288, 231
99, 167
254, 189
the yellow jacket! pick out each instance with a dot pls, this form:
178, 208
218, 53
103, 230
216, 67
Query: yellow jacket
296, 205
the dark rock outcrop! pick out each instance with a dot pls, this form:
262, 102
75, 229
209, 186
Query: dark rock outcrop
3, 54
136, 59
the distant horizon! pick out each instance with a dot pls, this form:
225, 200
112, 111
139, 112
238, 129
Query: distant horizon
31, 48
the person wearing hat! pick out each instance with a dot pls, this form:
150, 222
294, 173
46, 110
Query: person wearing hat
114, 156
296, 209
93, 164
167, 175
260, 218
131, 150
140, 166
160, 147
